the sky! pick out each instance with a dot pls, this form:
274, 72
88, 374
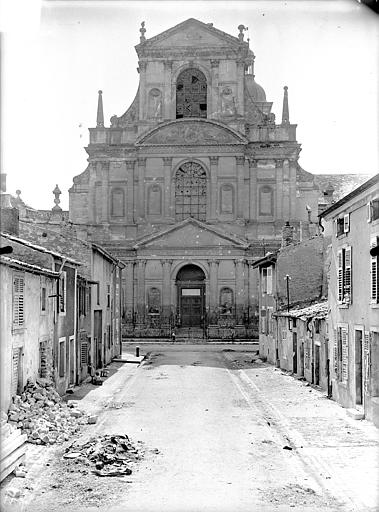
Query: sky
56, 55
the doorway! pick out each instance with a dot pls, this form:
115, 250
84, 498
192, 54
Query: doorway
98, 337
294, 348
358, 367
317, 365
190, 282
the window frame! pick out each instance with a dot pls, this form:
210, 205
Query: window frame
18, 300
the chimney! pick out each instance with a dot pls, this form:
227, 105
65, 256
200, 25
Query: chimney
9, 221
287, 234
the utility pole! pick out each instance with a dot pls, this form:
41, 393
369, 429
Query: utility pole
287, 278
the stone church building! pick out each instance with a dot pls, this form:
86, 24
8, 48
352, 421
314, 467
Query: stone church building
192, 184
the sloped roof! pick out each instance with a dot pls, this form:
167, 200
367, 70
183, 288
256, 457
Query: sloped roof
318, 310
34, 269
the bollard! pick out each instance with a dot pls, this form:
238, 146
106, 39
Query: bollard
137, 351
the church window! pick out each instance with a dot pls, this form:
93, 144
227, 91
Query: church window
117, 202
190, 192
191, 94
266, 201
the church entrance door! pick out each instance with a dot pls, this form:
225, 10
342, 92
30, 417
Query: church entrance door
191, 295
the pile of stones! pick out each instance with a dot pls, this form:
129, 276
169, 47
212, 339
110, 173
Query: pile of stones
40, 413
6, 428
110, 455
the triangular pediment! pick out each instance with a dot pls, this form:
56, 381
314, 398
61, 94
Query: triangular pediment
191, 33
190, 132
191, 233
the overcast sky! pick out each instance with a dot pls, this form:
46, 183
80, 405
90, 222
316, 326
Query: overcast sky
56, 55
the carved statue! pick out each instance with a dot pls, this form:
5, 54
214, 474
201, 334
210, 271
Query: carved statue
228, 106
155, 104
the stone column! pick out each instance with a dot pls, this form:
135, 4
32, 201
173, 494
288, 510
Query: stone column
213, 277
253, 188
167, 93
141, 187
92, 193
167, 163
142, 89
129, 288
166, 286
214, 172
240, 288
141, 298
104, 191
214, 107
130, 203
279, 189
240, 160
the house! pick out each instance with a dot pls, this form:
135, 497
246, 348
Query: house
40, 315
353, 223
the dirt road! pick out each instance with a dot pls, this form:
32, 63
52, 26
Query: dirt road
220, 433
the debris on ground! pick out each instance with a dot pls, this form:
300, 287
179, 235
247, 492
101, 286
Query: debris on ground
42, 415
109, 454
13, 449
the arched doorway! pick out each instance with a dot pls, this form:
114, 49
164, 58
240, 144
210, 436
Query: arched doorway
190, 282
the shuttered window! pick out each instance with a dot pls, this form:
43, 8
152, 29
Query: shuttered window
62, 292
373, 210
344, 270
342, 354
374, 292
18, 300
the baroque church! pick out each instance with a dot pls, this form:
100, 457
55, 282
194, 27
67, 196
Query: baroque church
192, 184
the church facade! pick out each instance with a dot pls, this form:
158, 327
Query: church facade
192, 184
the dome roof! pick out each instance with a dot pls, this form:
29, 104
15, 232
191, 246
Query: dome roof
256, 92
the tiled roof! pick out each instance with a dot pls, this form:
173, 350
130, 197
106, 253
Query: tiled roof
319, 310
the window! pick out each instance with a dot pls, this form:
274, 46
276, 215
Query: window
344, 276
117, 202
191, 94
62, 292
267, 280
108, 295
83, 301
374, 273
98, 294
341, 347
61, 355
43, 298
342, 225
18, 300
190, 192
373, 210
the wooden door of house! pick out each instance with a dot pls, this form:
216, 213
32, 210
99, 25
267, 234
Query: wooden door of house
98, 337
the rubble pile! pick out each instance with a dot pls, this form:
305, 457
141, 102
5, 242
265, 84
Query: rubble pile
109, 454
6, 428
42, 416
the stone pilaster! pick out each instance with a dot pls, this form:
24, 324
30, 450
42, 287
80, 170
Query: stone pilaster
279, 189
142, 89
213, 277
167, 93
240, 288
141, 299
167, 164
240, 161
130, 203
141, 187
104, 192
214, 173
286, 191
292, 189
166, 286
240, 82
214, 97
253, 196
129, 286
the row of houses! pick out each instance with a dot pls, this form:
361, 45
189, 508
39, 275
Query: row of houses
61, 306
319, 303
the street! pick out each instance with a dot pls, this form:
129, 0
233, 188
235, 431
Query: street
220, 432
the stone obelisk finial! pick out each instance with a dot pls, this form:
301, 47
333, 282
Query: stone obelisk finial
100, 114
285, 112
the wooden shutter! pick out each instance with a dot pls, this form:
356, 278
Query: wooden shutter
16, 355
366, 361
347, 276
346, 223
335, 352
374, 273
344, 354
269, 279
340, 275
18, 300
